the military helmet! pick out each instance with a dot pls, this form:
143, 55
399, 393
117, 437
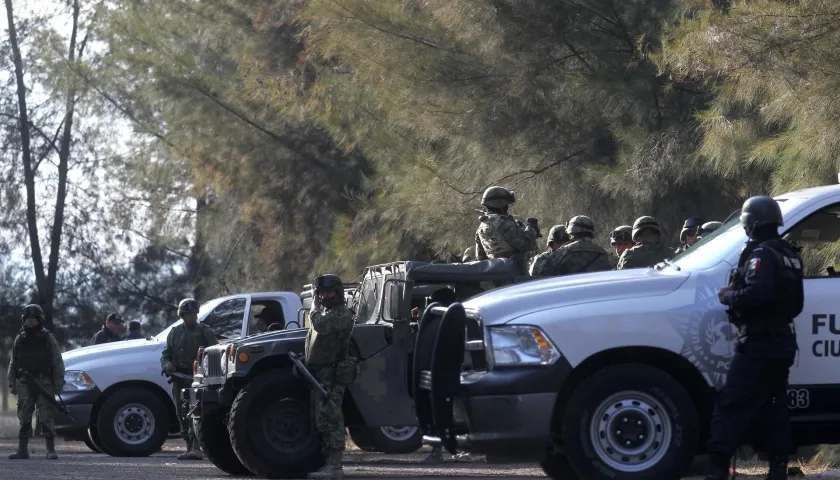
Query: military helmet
328, 282
693, 223
33, 311
497, 197
642, 223
760, 210
187, 305
708, 228
558, 234
580, 224
622, 234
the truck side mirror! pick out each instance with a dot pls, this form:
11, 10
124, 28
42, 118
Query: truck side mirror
397, 307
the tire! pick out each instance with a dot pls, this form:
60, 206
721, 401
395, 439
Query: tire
267, 400
88, 439
387, 439
557, 467
212, 434
132, 422
632, 403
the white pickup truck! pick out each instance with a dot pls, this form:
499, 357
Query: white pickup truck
612, 375
119, 402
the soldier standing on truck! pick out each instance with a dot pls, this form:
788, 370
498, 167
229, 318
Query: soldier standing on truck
327, 354
557, 237
764, 296
649, 249
500, 235
580, 256
35, 351
182, 345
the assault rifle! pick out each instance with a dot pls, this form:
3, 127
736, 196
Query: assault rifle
38, 390
310, 379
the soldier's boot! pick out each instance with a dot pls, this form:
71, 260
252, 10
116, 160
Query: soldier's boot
194, 453
22, 452
778, 469
719, 467
332, 469
51, 455
185, 455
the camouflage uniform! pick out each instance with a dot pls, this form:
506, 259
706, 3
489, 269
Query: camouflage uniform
500, 236
327, 342
35, 350
557, 237
182, 345
580, 256
646, 252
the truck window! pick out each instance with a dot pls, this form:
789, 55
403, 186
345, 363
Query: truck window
270, 312
226, 319
819, 236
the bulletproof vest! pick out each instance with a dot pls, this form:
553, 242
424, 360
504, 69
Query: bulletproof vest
327, 349
788, 295
33, 353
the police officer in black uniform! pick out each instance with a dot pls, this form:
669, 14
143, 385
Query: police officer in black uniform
764, 296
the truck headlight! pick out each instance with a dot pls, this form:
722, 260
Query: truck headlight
205, 365
521, 345
77, 381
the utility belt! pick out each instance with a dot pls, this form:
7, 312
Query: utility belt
36, 373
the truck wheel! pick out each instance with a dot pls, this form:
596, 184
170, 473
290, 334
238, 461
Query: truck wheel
88, 439
557, 467
271, 428
132, 422
212, 433
630, 422
394, 439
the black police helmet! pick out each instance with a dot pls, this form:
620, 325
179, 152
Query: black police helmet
694, 222
760, 210
33, 311
328, 282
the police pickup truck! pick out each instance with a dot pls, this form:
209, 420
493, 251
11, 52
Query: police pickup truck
613, 374
253, 415
120, 404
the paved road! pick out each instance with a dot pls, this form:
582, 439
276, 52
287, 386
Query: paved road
77, 462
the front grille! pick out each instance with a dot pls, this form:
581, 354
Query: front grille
475, 358
213, 360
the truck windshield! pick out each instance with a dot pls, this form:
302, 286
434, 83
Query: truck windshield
203, 310
719, 244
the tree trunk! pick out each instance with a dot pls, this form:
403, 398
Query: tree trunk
199, 265
63, 165
28, 171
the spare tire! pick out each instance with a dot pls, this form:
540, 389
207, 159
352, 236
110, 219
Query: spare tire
271, 428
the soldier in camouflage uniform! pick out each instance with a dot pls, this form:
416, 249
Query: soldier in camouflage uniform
579, 256
327, 346
500, 235
689, 234
182, 345
36, 351
620, 239
649, 249
557, 237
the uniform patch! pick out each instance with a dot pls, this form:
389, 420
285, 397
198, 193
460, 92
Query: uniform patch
754, 264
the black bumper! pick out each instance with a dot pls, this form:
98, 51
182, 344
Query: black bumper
80, 407
208, 400
507, 413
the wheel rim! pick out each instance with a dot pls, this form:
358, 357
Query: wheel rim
631, 431
134, 424
286, 425
398, 433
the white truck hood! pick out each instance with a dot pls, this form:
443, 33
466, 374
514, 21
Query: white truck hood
505, 304
93, 355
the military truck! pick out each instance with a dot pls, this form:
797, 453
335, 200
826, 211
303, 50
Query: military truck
253, 415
